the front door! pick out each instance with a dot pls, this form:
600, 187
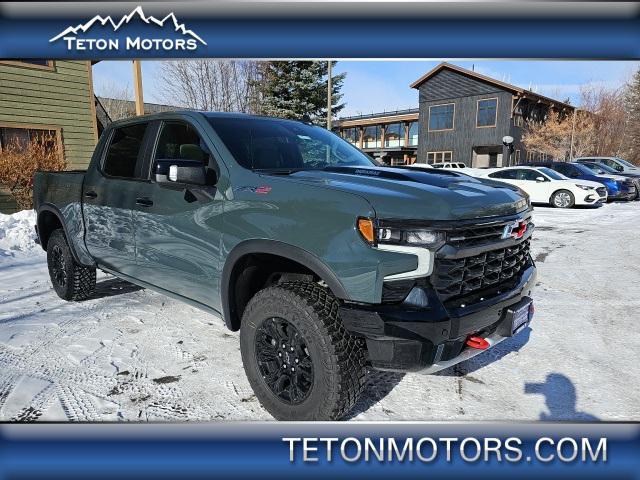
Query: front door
178, 230
109, 195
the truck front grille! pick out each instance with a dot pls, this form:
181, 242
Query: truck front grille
463, 276
476, 235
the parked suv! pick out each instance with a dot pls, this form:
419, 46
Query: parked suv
325, 262
618, 164
600, 168
618, 188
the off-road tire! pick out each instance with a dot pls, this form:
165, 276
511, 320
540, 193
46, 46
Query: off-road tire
572, 200
79, 281
338, 358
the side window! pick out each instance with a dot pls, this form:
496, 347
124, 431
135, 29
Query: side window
563, 169
530, 175
179, 140
123, 154
506, 174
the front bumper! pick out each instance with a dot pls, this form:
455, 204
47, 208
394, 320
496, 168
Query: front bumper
629, 193
429, 337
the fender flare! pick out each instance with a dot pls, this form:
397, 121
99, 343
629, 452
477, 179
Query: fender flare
281, 249
49, 207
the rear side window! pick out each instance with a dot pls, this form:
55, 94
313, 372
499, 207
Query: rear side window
123, 154
507, 174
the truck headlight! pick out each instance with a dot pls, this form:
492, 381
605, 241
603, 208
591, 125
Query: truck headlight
419, 237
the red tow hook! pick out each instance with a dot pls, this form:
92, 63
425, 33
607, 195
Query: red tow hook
477, 342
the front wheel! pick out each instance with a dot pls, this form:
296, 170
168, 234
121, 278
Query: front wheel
300, 361
70, 280
563, 199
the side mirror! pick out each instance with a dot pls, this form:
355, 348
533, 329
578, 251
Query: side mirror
540, 179
180, 172
619, 168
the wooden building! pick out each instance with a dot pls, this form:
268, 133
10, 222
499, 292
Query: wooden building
52, 97
391, 137
464, 116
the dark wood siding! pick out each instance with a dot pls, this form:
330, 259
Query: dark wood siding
448, 84
451, 87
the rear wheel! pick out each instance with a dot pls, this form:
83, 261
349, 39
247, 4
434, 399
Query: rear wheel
300, 361
70, 280
563, 199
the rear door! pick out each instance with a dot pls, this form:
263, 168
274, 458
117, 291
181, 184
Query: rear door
178, 236
109, 196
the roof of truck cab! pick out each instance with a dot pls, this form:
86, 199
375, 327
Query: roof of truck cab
188, 113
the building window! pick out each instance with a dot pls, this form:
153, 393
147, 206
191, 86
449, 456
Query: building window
19, 138
371, 137
31, 63
441, 117
394, 135
487, 112
516, 157
438, 157
413, 134
351, 135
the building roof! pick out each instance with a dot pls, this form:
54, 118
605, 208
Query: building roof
409, 114
478, 76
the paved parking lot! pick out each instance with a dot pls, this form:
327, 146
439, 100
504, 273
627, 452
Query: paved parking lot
132, 354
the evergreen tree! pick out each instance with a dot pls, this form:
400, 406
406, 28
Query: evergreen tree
298, 90
632, 132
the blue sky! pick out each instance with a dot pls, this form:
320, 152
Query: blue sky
375, 86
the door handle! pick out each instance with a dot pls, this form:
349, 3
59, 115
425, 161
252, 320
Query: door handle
91, 194
144, 202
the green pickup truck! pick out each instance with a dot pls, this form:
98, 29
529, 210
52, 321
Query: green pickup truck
326, 262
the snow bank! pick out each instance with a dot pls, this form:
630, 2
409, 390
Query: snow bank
16, 233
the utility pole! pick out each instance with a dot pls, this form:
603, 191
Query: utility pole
329, 89
573, 130
137, 86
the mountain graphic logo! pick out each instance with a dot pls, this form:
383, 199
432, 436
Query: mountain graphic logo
78, 36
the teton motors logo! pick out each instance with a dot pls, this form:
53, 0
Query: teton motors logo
135, 31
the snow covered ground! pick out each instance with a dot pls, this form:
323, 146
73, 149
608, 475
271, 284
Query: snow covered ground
132, 354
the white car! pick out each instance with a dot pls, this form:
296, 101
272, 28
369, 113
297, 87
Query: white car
544, 185
448, 165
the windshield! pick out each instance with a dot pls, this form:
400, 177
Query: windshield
625, 163
552, 174
599, 168
271, 144
583, 170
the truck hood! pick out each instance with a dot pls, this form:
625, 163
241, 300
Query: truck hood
397, 192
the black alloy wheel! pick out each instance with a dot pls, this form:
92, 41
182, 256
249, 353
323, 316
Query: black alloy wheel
283, 360
58, 266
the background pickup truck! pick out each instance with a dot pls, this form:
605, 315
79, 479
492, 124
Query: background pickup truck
325, 262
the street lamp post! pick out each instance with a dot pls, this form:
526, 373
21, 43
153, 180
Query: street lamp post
507, 148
